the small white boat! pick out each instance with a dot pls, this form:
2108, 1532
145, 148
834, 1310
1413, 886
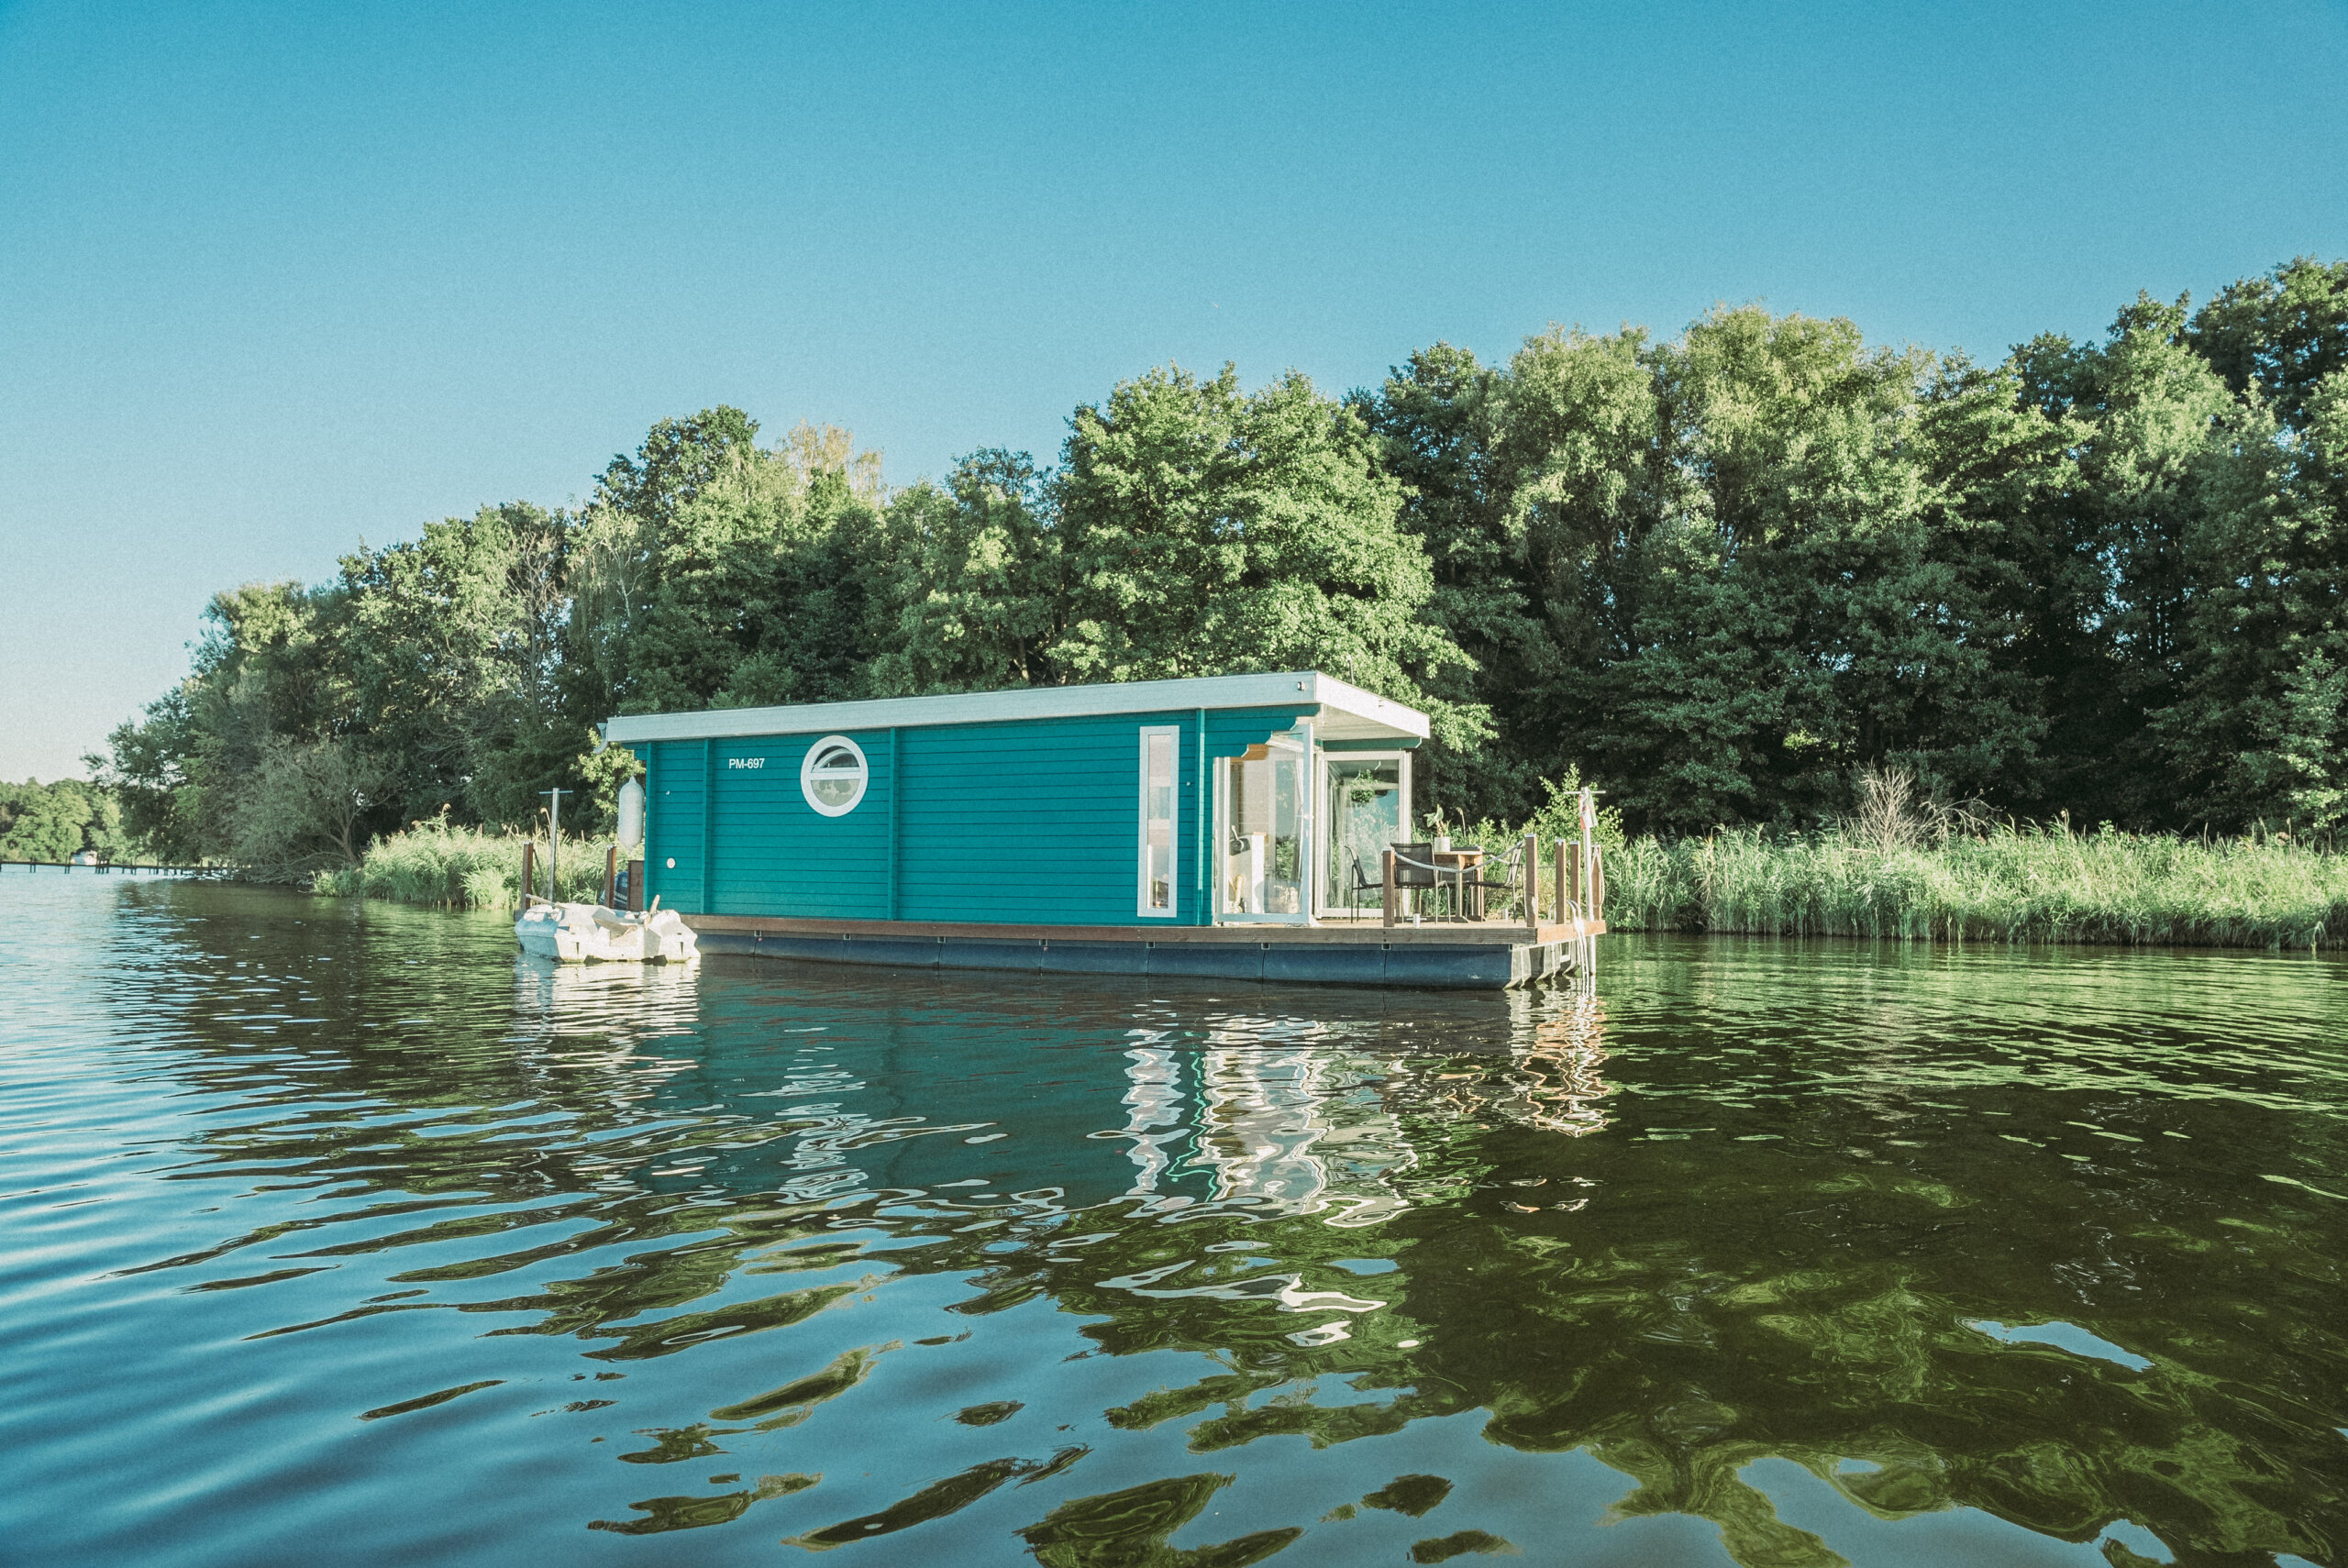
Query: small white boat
589, 934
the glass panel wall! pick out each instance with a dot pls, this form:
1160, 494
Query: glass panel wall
1265, 809
1363, 805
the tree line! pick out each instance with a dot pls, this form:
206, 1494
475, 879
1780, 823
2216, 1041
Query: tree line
50, 822
1718, 574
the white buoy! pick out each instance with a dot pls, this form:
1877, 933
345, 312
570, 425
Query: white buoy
631, 817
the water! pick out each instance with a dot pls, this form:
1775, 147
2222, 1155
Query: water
336, 1234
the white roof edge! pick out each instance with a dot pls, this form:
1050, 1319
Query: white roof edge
1365, 704
1298, 688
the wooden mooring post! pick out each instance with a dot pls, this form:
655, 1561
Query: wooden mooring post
529, 871
1529, 856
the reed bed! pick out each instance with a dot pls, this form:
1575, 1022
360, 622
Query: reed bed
2010, 884
2013, 885
460, 868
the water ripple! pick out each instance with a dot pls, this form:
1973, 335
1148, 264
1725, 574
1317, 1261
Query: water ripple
336, 1229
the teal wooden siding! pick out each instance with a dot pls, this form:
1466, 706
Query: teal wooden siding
1033, 823
1030, 822
777, 854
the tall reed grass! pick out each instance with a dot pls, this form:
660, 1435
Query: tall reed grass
433, 863
2004, 885
1904, 868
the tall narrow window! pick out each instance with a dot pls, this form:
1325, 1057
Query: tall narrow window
1157, 780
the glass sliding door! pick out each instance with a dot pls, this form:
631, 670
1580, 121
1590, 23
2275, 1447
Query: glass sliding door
1262, 868
1365, 809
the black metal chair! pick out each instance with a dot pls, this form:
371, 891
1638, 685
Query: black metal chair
1510, 864
1465, 876
1414, 869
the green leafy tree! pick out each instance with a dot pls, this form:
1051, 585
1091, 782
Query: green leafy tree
267, 668
2257, 731
1438, 417
306, 807
452, 657
970, 599
57, 822
2143, 414
1204, 530
744, 581
2283, 333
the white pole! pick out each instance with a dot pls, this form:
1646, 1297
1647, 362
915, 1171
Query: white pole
553, 846
1587, 879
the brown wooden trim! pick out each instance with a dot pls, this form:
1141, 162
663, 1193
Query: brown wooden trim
1457, 933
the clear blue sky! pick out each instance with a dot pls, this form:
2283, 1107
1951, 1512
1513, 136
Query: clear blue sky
275, 279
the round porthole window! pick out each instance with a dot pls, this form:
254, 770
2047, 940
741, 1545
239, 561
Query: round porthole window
833, 775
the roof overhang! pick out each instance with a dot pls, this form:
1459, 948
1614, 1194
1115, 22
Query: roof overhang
1338, 710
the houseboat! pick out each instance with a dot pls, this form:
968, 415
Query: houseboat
1251, 827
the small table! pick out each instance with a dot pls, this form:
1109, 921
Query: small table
1465, 870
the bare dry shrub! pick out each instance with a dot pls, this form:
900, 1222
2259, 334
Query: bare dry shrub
1893, 814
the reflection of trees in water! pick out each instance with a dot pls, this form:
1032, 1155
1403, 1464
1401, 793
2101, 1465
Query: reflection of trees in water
1714, 1303
1550, 1080
1679, 1309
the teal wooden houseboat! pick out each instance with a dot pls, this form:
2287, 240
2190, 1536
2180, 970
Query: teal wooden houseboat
1235, 827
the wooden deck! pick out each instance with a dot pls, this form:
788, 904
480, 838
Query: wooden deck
1455, 955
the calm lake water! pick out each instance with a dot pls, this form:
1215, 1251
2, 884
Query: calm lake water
337, 1234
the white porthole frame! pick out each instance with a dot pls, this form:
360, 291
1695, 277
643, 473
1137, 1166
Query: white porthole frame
807, 775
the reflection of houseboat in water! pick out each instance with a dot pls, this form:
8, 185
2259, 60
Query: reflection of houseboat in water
1313, 1128
1238, 827
1190, 1111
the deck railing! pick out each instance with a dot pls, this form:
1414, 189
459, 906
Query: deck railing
1576, 883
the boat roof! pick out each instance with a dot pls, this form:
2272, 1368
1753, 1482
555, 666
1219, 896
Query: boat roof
1338, 710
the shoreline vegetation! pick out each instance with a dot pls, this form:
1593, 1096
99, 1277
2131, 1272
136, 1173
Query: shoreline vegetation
2009, 885
463, 867
1904, 866
2003, 884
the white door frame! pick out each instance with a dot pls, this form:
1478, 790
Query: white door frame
1321, 906
1298, 739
